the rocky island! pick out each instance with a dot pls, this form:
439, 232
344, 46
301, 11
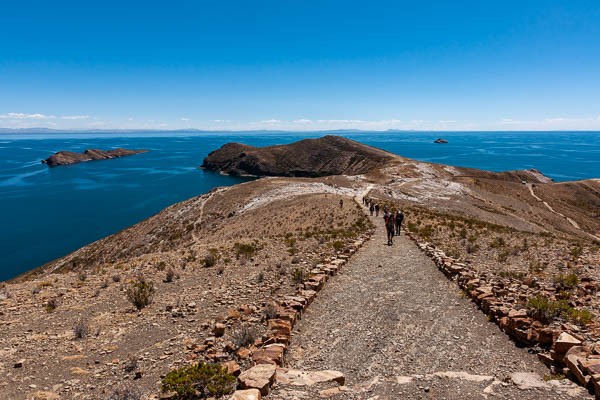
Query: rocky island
230, 277
329, 155
69, 157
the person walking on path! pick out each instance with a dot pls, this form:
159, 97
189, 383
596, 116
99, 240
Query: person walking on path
389, 227
371, 208
399, 219
377, 210
341, 203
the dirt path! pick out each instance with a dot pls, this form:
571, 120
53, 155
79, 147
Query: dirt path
397, 328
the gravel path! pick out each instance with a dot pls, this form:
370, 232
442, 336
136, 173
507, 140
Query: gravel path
397, 328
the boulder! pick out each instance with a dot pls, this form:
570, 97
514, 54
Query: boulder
250, 394
572, 362
526, 380
41, 395
564, 342
219, 329
270, 354
259, 377
307, 378
233, 368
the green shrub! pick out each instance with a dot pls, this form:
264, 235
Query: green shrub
244, 250
412, 227
199, 381
503, 256
426, 232
338, 245
570, 281
497, 243
297, 275
140, 293
551, 309
210, 260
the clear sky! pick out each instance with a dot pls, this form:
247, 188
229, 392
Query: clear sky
300, 65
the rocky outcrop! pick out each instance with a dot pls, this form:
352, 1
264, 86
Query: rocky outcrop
329, 155
440, 140
69, 157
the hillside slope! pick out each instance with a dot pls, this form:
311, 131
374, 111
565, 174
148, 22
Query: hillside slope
329, 155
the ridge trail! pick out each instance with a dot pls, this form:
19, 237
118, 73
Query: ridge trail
397, 328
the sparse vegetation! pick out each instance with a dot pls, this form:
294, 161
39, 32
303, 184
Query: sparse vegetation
51, 305
169, 275
270, 311
569, 281
199, 381
131, 364
244, 336
512, 274
81, 329
126, 392
297, 275
338, 245
210, 260
551, 309
140, 293
498, 242
244, 250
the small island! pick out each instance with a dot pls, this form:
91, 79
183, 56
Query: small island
440, 140
69, 157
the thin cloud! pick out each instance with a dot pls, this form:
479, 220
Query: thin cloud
447, 121
303, 121
25, 116
220, 120
75, 117
270, 121
184, 119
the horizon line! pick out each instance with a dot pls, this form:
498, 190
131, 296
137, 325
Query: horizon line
120, 130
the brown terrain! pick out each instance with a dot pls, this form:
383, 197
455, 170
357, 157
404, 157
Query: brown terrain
329, 155
69, 157
490, 290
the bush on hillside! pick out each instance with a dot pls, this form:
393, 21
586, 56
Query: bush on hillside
199, 381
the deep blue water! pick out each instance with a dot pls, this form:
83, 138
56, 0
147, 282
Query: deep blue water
46, 212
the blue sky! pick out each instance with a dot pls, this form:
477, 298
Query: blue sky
300, 65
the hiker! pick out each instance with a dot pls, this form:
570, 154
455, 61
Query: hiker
385, 209
341, 203
377, 210
389, 227
371, 208
399, 218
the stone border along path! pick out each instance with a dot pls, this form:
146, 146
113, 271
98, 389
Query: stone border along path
571, 351
395, 328
268, 359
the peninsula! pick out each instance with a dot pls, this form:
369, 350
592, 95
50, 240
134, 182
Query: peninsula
69, 157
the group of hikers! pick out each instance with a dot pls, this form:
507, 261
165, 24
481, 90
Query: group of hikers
393, 218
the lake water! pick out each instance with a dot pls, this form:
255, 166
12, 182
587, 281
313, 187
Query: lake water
46, 213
